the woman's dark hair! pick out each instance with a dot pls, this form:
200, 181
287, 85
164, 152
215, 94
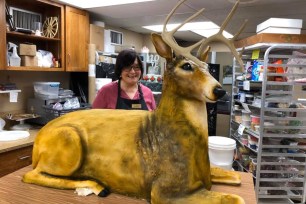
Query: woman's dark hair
126, 58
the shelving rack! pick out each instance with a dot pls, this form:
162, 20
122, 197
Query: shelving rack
280, 153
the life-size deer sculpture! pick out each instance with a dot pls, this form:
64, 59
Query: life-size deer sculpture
161, 156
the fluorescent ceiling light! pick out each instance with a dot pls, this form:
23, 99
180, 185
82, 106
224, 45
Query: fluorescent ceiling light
187, 26
209, 32
101, 3
205, 29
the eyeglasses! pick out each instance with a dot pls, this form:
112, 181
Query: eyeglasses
136, 68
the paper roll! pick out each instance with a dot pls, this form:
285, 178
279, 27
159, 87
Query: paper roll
91, 82
92, 70
92, 53
91, 89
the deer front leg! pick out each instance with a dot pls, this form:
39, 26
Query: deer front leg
219, 175
201, 196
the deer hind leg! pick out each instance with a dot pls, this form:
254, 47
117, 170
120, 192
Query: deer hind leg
219, 175
83, 188
201, 196
56, 157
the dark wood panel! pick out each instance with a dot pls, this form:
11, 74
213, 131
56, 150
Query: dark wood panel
2, 34
14, 160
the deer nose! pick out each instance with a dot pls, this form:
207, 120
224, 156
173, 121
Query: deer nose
219, 92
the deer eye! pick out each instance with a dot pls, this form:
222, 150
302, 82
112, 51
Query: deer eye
187, 67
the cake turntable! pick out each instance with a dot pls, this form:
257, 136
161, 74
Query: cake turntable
21, 119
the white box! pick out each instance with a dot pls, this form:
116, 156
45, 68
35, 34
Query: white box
281, 30
280, 23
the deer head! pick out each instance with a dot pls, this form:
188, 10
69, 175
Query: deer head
189, 74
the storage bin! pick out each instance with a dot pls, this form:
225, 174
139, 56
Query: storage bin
46, 90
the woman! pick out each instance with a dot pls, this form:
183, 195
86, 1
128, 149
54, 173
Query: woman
127, 92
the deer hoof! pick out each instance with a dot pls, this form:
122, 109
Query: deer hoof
105, 192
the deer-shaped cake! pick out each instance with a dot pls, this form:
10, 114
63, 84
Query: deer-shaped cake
160, 156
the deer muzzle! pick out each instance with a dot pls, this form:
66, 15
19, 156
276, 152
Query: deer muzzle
219, 92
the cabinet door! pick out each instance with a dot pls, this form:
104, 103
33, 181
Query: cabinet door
2, 35
15, 159
77, 39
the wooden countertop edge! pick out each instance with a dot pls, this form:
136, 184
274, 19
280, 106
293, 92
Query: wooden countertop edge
11, 184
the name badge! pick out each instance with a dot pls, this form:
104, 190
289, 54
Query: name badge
136, 106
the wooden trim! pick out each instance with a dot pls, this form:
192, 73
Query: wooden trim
3, 62
271, 38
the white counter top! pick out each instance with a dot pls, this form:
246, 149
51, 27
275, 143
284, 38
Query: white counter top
11, 145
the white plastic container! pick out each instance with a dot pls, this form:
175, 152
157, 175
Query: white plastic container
15, 60
221, 151
46, 90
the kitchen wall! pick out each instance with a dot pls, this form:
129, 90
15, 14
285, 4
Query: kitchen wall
130, 38
223, 120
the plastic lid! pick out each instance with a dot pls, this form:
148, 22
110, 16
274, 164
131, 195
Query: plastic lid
46, 83
220, 142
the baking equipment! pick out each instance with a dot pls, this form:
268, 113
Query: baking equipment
52, 113
21, 119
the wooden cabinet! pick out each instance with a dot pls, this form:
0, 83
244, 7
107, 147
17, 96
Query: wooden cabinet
2, 35
76, 39
44, 9
70, 44
15, 159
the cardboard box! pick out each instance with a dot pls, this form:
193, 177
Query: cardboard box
29, 61
27, 50
96, 36
270, 38
280, 23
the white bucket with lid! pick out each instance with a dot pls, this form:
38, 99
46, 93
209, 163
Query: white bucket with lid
221, 151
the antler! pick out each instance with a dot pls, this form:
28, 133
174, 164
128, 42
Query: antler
168, 37
220, 37
186, 51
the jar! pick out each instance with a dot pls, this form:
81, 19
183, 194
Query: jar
253, 166
255, 120
237, 115
249, 98
241, 96
246, 119
246, 115
245, 160
244, 139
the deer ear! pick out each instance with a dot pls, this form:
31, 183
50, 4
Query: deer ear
161, 47
204, 56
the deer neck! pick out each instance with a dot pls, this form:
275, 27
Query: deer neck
173, 107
